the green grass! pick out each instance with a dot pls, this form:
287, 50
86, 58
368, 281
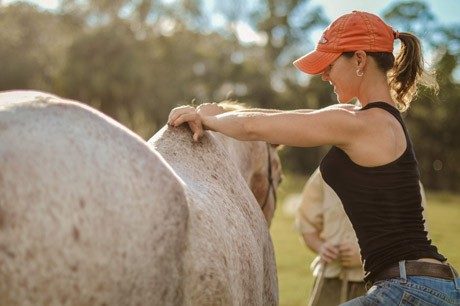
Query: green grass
293, 258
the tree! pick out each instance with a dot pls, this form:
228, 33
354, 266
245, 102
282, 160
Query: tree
32, 46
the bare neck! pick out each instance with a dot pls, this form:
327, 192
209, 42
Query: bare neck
374, 87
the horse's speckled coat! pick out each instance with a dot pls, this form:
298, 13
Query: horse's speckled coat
229, 259
89, 214
92, 215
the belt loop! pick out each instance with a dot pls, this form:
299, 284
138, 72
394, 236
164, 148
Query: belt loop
402, 271
455, 275
368, 285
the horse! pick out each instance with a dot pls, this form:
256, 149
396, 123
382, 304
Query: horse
91, 214
230, 189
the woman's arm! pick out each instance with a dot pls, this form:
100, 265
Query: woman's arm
334, 126
272, 111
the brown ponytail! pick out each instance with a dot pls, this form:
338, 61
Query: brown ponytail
408, 71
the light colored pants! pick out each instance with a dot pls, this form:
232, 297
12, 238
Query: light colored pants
411, 290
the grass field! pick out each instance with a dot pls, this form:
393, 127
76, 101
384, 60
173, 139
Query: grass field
293, 258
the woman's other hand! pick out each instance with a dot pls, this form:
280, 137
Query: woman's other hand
188, 114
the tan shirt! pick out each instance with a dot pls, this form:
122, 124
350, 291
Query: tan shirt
321, 211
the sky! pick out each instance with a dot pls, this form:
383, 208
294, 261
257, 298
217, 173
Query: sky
445, 10
49, 4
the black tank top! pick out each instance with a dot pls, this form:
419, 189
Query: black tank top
383, 203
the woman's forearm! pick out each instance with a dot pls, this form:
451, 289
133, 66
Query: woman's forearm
258, 110
241, 124
234, 124
273, 111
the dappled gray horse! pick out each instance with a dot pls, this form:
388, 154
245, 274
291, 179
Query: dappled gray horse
92, 215
229, 259
89, 214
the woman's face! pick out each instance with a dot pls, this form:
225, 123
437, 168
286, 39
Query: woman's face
342, 75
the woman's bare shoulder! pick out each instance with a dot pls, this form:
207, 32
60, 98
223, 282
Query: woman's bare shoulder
346, 106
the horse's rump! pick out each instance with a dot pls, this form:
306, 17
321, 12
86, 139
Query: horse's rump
89, 214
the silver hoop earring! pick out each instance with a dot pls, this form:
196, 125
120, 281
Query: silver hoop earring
360, 74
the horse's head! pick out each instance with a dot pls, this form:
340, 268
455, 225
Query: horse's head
265, 177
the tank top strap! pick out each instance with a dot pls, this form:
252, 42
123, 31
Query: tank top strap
383, 105
389, 108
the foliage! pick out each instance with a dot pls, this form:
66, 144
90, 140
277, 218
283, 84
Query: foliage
136, 59
32, 46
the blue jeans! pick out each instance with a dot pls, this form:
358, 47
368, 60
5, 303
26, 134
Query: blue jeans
411, 290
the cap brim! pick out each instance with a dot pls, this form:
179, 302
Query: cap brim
315, 62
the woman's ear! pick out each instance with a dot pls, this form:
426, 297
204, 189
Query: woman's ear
361, 59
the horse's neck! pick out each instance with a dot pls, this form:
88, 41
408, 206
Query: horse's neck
240, 152
192, 160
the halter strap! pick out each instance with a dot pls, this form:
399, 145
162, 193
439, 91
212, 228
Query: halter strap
270, 180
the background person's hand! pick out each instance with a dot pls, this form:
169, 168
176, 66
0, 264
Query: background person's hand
349, 255
188, 114
328, 252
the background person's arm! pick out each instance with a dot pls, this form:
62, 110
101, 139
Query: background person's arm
324, 249
309, 218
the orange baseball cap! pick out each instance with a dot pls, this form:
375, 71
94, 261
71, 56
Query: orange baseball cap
350, 32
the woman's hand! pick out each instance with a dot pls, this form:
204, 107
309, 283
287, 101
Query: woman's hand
349, 255
188, 114
210, 109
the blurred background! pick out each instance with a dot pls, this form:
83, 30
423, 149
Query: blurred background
136, 59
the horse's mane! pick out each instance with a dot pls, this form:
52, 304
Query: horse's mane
232, 105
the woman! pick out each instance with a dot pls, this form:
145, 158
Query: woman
371, 165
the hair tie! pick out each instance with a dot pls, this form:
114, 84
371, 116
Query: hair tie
396, 34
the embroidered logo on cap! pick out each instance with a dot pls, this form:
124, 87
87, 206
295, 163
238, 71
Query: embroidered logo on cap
323, 40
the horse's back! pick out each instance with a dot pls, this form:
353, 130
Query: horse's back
89, 214
230, 258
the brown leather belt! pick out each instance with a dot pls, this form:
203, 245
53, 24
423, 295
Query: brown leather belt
418, 268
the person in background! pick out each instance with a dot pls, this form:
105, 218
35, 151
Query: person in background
327, 231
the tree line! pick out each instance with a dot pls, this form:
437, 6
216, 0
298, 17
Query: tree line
136, 59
